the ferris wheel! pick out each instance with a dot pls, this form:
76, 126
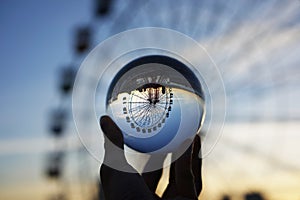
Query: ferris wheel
148, 107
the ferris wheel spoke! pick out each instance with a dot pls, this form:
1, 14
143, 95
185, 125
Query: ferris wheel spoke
143, 116
149, 115
160, 111
144, 102
162, 96
140, 111
148, 118
144, 95
140, 97
139, 107
160, 106
161, 103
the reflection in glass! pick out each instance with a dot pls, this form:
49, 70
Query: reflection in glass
157, 102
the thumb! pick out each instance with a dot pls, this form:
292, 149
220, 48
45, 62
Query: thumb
183, 173
112, 132
113, 143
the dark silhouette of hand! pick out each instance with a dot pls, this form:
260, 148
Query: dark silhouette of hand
185, 181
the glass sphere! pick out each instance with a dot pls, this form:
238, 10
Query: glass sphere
157, 102
151, 82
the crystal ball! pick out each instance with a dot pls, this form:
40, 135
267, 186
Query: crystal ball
158, 103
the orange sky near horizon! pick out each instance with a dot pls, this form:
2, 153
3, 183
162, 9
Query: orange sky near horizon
253, 162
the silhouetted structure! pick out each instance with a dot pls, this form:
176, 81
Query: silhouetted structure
226, 197
83, 39
54, 168
253, 196
67, 78
103, 7
57, 122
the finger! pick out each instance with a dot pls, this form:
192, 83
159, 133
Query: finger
111, 131
113, 143
181, 178
197, 164
118, 184
152, 178
171, 191
183, 173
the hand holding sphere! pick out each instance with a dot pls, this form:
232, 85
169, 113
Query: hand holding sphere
185, 173
154, 92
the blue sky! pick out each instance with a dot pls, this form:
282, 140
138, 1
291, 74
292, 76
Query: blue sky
256, 47
36, 41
